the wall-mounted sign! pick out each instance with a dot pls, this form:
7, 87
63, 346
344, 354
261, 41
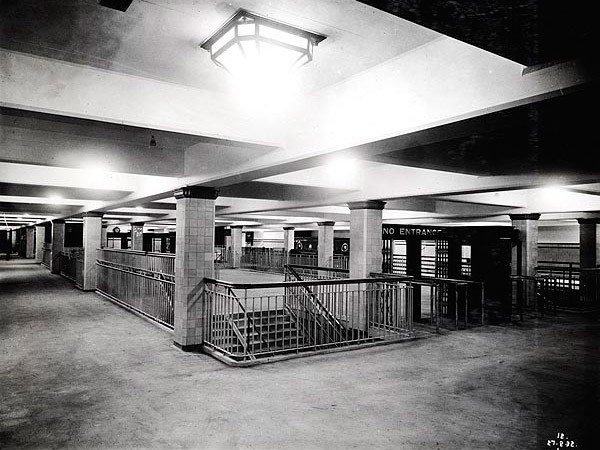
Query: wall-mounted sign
419, 232
394, 231
116, 230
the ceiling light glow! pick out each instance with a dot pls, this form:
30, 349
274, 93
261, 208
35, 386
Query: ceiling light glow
258, 49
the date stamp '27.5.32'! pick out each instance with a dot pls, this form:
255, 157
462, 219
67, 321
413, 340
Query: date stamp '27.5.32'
561, 441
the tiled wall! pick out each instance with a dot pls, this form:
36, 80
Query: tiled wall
558, 252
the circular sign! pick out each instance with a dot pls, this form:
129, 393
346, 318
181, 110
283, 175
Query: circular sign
116, 230
345, 247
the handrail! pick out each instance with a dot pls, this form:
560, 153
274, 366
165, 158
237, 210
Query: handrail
527, 277
324, 269
330, 318
137, 252
300, 283
136, 271
424, 280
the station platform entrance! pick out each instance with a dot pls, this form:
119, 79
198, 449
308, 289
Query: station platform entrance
470, 256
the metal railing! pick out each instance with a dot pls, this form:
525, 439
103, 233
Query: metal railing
275, 259
589, 288
535, 295
144, 282
296, 272
263, 259
303, 259
71, 265
249, 321
341, 262
449, 303
566, 274
563, 285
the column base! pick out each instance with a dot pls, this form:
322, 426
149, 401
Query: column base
188, 348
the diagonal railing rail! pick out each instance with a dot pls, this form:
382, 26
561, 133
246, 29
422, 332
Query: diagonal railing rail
332, 328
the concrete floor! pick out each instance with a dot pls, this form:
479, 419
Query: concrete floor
76, 371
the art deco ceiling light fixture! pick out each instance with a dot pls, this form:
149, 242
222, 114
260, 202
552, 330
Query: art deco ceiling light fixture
250, 45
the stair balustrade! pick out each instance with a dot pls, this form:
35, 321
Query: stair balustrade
266, 320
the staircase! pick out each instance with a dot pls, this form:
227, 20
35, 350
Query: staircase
258, 333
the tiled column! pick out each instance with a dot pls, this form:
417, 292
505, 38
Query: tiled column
104, 236
92, 236
137, 236
325, 244
288, 238
526, 252
288, 242
228, 244
58, 244
40, 235
14, 239
365, 238
527, 224
194, 260
588, 258
366, 256
236, 244
588, 243
30, 248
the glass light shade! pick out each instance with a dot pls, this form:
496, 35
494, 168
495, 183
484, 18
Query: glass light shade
253, 46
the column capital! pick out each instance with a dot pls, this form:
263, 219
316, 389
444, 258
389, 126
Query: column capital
367, 204
196, 192
104, 225
531, 216
588, 221
93, 214
289, 228
58, 221
327, 223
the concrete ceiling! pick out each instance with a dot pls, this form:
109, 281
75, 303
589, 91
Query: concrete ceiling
111, 111
530, 32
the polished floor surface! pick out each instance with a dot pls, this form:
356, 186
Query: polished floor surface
78, 372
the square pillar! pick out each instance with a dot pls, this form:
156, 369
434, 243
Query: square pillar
527, 225
365, 238
30, 239
588, 243
236, 245
325, 244
525, 255
288, 238
104, 236
13, 238
137, 236
194, 260
92, 234
58, 244
228, 245
366, 245
288, 242
40, 236
589, 246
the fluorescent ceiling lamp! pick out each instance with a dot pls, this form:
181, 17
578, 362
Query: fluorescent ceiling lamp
250, 45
